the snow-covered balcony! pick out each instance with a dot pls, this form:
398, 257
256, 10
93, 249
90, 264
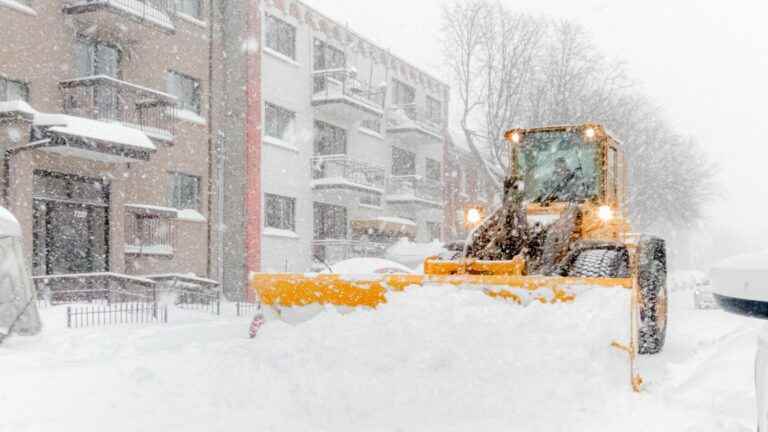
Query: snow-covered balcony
343, 172
109, 99
412, 125
129, 17
415, 189
338, 93
332, 251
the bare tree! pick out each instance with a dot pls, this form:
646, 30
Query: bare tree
517, 70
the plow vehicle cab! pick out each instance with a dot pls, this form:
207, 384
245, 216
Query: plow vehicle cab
562, 224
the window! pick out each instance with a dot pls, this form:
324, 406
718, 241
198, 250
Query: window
330, 222
328, 57
370, 199
186, 89
403, 162
151, 233
613, 188
372, 123
278, 122
93, 57
433, 170
280, 37
329, 139
280, 212
13, 90
403, 94
184, 191
433, 230
188, 7
434, 110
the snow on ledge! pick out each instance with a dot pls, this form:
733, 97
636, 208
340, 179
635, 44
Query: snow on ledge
12, 4
192, 20
94, 129
16, 106
276, 232
277, 142
188, 116
190, 215
9, 226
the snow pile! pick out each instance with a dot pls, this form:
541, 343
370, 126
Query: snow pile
413, 254
368, 266
753, 261
432, 359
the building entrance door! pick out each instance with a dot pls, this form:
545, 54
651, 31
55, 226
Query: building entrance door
71, 225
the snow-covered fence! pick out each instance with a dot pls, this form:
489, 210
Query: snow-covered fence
113, 314
246, 309
198, 299
90, 287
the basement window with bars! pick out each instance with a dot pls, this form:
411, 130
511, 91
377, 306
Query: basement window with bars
148, 234
187, 91
11, 90
280, 37
278, 122
280, 212
184, 191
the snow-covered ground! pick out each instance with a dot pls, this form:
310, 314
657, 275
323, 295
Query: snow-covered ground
432, 359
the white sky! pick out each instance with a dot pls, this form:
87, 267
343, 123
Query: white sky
704, 62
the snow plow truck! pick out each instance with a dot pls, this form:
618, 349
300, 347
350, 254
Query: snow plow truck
562, 225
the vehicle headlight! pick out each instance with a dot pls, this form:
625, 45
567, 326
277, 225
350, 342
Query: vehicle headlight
473, 216
605, 213
589, 133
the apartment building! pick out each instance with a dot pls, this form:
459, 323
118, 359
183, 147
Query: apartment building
104, 127
341, 142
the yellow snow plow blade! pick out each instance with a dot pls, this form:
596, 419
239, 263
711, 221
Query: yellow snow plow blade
287, 290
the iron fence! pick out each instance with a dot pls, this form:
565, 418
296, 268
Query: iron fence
114, 314
410, 115
157, 12
246, 308
198, 299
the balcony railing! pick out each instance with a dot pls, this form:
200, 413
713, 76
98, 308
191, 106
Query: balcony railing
157, 12
415, 188
406, 118
333, 251
343, 171
340, 86
110, 99
148, 235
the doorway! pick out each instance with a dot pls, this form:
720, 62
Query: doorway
71, 224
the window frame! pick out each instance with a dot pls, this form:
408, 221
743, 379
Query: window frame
272, 20
329, 214
92, 47
194, 105
5, 85
428, 169
172, 192
287, 210
199, 8
411, 155
320, 46
337, 131
288, 128
434, 110
399, 88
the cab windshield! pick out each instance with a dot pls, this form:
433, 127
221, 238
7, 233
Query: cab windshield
558, 166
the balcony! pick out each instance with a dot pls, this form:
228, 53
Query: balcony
333, 251
129, 17
342, 172
413, 125
414, 189
339, 94
108, 99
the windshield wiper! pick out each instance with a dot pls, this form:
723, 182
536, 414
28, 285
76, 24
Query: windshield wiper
546, 199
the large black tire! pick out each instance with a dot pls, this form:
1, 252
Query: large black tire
652, 278
607, 262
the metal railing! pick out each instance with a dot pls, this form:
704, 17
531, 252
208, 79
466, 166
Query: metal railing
102, 97
414, 186
333, 84
91, 287
158, 12
332, 251
411, 115
114, 314
346, 169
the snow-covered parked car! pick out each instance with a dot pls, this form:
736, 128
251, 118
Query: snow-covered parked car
740, 286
